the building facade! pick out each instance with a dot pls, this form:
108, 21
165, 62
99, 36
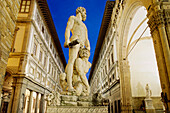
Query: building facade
8, 15
104, 77
135, 29
35, 61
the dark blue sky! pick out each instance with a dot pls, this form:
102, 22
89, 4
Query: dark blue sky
61, 10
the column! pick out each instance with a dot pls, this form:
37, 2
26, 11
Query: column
18, 95
37, 102
125, 85
11, 101
158, 23
30, 102
42, 104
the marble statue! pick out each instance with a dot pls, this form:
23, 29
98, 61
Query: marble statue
79, 52
148, 91
148, 101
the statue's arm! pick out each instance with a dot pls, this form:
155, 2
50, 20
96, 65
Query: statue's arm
87, 43
70, 24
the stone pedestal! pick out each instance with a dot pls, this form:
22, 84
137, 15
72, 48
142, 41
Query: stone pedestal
75, 104
149, 106
76, 100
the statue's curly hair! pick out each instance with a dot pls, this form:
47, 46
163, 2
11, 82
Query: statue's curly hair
80, 9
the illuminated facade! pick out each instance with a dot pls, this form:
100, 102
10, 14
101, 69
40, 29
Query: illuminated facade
132, 51
35, 61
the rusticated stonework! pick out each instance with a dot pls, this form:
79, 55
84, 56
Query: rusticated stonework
79, 109
8, 14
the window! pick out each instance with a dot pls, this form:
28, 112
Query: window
113, 76
43, 79
112, 58
31, 70
53, 50
38, 75
45, 59
25, 6
106, 83
48, 83
35, 49
54, 73
40, 56
46, 37
50, 45
49, 68
42, 29
109, 63
106, 69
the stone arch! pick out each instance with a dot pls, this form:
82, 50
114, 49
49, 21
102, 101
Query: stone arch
126, 25
130, 10
160, 46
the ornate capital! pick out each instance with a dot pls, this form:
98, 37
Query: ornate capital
156, 19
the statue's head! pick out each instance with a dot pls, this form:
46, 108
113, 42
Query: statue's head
81, 10
84, 53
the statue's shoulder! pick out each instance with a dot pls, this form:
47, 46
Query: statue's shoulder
72, 17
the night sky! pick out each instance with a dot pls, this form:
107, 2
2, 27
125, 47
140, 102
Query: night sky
61, 10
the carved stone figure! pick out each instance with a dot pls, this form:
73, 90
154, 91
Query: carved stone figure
79, 80
53, 99
148, 91
78, 40
81, 67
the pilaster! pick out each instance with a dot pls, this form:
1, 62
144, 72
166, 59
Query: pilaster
36, 104
30, 102
42, 104
18, 95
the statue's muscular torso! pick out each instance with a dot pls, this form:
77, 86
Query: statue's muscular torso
78, 30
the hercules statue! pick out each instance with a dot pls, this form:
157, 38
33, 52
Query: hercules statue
76, 43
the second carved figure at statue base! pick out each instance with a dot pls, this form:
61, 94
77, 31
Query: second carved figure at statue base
80, 83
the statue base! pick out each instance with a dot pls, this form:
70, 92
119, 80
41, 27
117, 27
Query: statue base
149, 106
77, 109
75, 104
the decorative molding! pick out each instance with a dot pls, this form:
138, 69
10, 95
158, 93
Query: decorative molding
78, 109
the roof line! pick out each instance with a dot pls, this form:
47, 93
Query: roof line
103, 29
49, 21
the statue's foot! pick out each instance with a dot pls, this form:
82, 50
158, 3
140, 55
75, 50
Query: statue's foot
71, 89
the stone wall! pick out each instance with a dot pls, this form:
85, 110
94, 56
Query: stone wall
8, 14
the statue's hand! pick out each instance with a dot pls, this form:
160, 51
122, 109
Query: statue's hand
88, 48
66, 44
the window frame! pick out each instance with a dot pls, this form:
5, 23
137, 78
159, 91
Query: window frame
26, 5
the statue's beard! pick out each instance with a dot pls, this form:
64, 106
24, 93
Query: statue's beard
83, 18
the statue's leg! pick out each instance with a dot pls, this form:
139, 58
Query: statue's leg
79, 89
73, 52
85, 81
